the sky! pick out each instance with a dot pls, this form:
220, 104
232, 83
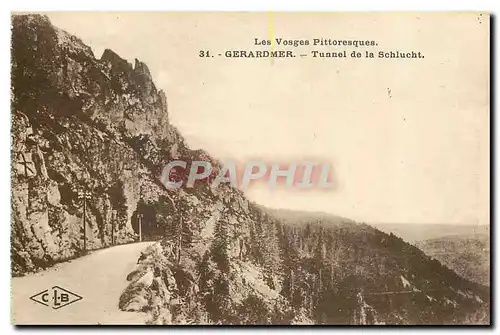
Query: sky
407, 140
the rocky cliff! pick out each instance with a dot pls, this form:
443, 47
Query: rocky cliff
83, 124
73, 123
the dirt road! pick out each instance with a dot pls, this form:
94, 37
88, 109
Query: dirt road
99, 278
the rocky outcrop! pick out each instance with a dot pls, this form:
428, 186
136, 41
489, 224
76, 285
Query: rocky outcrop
78, 124
101, 126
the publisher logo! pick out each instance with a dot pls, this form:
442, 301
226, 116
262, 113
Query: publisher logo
56, 297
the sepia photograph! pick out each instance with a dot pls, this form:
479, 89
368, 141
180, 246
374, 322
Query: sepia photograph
250, 168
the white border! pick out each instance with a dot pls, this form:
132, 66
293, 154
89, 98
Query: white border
189, 5
257, 5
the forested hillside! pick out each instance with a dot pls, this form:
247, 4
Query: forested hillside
467, 255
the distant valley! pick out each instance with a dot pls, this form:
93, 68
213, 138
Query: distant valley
464, 249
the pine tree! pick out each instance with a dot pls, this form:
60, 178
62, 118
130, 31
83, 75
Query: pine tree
220, 246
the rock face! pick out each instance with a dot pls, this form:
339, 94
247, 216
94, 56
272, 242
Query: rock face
78, 124
101, 126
